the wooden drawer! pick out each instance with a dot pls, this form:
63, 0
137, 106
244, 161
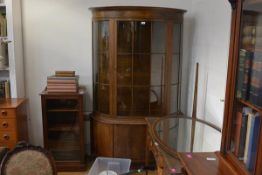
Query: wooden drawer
8, 124
8, 144
7, 113
7, 136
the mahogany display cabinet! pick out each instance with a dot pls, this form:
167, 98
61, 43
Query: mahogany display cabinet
137, 73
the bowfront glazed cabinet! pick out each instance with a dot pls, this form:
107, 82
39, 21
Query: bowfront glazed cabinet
242, 133
136, 68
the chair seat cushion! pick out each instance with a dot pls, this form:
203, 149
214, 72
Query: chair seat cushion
28, 162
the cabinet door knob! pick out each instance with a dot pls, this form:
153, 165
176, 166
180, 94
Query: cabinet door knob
6, 137
4, 113
5, 124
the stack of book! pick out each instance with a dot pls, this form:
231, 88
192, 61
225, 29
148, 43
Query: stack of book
246, 136
63, 81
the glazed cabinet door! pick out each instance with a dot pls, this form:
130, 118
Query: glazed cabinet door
245, 118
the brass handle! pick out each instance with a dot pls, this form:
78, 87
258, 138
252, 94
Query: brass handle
6, 137
4, 113
5, 124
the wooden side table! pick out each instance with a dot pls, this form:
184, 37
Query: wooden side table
13, 122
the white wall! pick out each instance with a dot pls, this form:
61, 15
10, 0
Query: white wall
210, 47
58, 35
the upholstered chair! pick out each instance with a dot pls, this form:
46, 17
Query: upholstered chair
28, 160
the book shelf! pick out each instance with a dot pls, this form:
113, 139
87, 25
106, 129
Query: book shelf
242, 131
63, 124
11, 51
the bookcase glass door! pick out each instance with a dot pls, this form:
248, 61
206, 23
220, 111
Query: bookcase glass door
63, 129
248, 95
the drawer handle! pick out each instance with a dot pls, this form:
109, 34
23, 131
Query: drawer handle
5, 124
4, 113
6, 137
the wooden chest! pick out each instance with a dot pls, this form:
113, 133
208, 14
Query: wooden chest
13, 122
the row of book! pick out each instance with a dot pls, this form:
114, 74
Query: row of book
249, 83
246, 136
63, 81
5, 89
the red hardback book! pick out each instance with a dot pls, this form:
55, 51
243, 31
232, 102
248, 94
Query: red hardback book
237, 132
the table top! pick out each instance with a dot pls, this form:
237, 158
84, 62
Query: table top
184, 134
205, 164
11, 102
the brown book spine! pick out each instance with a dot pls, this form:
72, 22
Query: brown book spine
237, 132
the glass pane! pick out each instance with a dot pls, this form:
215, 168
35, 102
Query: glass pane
176, 39
63, 134
64, 145
176, 134
124, 70
141, 101
158, 37
124, 37
157, 69
103, 98
156, 100
173, 99
55, 104
141, 69
101, 36
142, 35
175, 70
104, 68
124, 101
95, 68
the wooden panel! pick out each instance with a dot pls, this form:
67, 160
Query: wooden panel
138, 13
7, 124
7, 113
130, 142
103, 139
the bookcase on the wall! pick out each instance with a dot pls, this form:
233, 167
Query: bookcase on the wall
242, 131
11, 52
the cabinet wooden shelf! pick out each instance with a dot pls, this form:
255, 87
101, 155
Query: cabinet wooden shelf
63, 124
242, 131
249, 104
63, 110
136, 77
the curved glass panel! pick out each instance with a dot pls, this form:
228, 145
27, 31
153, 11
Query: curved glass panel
101, 65
186, 135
